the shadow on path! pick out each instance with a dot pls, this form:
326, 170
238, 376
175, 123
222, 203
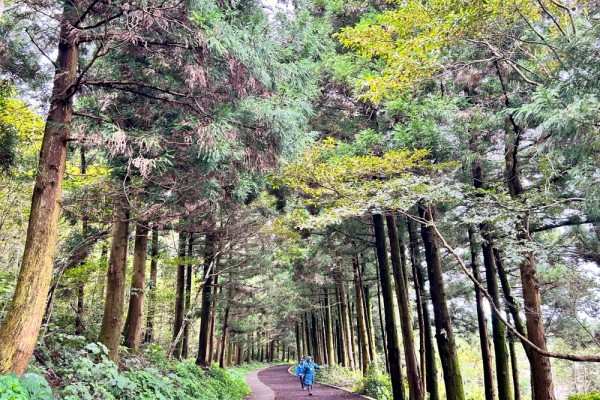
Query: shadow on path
287, 387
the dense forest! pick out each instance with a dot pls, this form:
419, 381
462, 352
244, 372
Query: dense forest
407, 190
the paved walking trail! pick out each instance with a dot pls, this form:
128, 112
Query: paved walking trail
276, 383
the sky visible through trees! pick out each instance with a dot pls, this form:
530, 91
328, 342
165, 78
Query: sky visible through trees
408, 191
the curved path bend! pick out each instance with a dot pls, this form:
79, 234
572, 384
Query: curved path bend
276, 383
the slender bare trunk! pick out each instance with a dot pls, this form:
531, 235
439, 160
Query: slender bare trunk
79, 328
541, 370
149, 337
21, 326
328, 329
213, 314
203, 357
360, 316
484, 340
224, 337
345, 322
179, 294
498, 328
188, 298
443, 322
427, 349
135, 313
112, 320
513, 363
412, 366
391, 323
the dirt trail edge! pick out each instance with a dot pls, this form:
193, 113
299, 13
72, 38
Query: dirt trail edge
287, 387
260, 391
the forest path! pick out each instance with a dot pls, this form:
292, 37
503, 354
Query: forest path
287, 387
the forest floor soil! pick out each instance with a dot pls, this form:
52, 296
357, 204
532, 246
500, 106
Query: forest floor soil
285, 386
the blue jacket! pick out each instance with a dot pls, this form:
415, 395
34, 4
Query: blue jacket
309, 373
300, 369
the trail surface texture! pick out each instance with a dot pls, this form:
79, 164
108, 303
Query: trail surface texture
285, 386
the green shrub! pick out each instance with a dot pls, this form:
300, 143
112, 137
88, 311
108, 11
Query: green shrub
11, 388
588, 396
339, 376
36, 386
376, 385
28, 386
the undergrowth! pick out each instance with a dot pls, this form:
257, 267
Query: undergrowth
68, 368
373, 384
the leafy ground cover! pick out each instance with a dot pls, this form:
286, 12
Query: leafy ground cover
68, 368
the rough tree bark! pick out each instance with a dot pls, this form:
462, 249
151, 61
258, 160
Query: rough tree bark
514, 364
349, 359
188, 299
369, 316
361, 318
415, 388
484, 340
541, 370
203, 358
149, 337
428, 349
391, 324
112, 320
135, 313
79, 328
298, 348
179, 293
213, 312
21, 326
443, 323
498, 328
328, 328
224, 336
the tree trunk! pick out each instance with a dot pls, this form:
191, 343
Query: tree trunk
149, 337
541, 370
315, 338
498, 328
443, 323
304, 339
345, 321
361, 318
203, 357
381, 324
79, 328
342, 344
428, 349
224, 337
298, 348
514, 365
512, 304
112, 320
188, 299
353, 347
412, 366
393, 348
329, 329
370, 327
179, 293
307, 336
21, 326
323, 335
135, 314
213, 313
486, 356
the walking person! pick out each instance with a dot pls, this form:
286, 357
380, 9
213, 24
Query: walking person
300, 372
309, 374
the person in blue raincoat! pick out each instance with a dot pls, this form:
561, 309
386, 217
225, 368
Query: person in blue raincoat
309, 373
300, 372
